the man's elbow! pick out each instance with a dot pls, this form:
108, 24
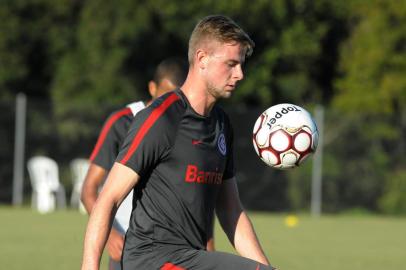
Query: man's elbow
83, 197
84, 192
87, 197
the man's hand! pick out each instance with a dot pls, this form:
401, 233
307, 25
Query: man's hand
115, 245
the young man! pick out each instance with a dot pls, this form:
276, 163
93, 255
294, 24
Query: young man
178, 159
169, 74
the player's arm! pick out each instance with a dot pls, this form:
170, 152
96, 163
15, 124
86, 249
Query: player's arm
210, 241
236, 223
102, 159
119, 183
210, 244
93, 181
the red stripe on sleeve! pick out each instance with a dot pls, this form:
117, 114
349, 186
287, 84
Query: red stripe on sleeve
170, 266
149, 122
106, 129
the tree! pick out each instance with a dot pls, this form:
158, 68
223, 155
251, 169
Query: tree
371, 97
33, 35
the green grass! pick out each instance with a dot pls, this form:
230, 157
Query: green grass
29, 240
333, 242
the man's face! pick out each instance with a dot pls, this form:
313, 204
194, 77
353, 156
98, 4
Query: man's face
224, 69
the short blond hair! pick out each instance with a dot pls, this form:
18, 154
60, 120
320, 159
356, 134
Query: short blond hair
218, 28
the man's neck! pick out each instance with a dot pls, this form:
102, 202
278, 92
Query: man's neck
196, 92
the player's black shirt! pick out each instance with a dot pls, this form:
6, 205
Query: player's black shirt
182, 158
107, 147
113, 134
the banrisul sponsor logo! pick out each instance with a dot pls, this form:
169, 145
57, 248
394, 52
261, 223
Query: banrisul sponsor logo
195, 175
280, 113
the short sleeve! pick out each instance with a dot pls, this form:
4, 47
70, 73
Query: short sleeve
110, 139
148, 139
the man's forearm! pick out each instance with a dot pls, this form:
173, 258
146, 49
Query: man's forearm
88, 199
246, 242
97, 232
94, 178
110, 198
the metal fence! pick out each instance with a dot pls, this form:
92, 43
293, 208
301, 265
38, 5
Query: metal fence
261, 187
42, 138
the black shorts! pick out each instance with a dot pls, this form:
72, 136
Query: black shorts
187, 259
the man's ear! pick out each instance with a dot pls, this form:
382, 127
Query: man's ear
201, 58
152, 88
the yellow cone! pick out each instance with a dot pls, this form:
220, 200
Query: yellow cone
291, 221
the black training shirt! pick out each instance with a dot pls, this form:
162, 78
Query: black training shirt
182, 158
113, 134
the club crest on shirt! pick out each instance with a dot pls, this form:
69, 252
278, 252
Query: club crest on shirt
221, 144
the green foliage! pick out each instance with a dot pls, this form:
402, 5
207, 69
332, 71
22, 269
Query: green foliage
105, 59
374, 59
355, 164
393, 201
371, 97
287, 61
87, 57
92, 70
32, 37
97, 55
299, 187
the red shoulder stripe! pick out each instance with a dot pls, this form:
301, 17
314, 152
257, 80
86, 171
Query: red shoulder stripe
170, 266
106, 129
149, 122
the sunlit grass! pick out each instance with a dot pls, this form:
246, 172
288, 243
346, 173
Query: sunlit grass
29, 240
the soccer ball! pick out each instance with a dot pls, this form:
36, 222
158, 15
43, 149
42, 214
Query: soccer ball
285, 135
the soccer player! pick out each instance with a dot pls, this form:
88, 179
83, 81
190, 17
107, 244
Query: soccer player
169, 74
178, 159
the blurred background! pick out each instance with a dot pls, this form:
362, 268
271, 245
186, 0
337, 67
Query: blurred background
76, 61
65, 65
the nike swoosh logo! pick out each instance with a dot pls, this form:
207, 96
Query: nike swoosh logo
196, 142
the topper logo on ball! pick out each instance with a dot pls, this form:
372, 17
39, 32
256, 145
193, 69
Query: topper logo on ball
278, 115
284, 135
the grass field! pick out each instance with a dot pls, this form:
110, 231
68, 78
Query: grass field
54, 241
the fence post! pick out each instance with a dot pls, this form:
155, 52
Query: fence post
316, 193
19, 147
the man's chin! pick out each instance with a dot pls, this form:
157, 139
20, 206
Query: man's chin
226, 94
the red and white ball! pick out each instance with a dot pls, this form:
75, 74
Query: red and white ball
285, 135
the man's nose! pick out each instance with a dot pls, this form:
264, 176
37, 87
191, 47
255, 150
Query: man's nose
238, 73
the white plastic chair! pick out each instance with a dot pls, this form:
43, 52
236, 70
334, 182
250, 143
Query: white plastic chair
47, 191
79, 167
